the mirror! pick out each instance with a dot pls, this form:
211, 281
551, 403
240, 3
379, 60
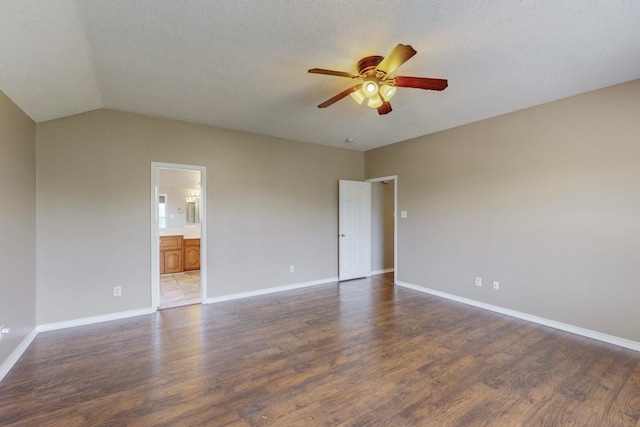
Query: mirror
193, 210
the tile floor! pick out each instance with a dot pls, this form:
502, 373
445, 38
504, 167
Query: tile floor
179, 289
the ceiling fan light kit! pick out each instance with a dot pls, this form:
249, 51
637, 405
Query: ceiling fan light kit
378, 86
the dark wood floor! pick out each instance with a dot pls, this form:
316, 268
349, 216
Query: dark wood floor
357, 353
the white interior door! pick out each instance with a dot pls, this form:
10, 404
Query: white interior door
354, 220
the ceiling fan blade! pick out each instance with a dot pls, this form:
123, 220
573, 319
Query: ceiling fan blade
332, 73
385, 108
398, 56
421, 83
339, 96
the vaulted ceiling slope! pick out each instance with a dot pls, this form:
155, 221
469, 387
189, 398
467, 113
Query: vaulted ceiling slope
243, 64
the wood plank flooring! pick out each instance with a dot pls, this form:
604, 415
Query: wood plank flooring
358, 353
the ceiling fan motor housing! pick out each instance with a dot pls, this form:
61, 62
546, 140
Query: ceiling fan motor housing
368, 65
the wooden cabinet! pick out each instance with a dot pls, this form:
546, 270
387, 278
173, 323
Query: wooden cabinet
178, 254
172, 262
171, 248
191, 254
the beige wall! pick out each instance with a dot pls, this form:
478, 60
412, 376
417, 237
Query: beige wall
18, 219
271, 203
545, 200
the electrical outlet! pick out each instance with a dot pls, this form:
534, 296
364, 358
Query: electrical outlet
478, 281
117, 291
496, 285
291, 269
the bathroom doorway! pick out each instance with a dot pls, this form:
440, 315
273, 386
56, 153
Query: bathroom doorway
178, 230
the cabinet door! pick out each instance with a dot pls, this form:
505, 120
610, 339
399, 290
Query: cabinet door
191, 258
173, 261
171, 254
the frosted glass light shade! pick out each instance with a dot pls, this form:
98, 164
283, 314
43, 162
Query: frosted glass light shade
387, 92
375, 101
358, 96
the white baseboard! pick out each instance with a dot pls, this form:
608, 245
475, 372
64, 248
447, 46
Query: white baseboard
270, 290
6, 366
93, 319
622, 342
383, 271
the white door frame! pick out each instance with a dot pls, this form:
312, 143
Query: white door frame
393, 178
155, 229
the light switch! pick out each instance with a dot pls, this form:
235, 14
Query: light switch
403, 214
172, 216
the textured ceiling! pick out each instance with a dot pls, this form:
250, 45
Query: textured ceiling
243, 64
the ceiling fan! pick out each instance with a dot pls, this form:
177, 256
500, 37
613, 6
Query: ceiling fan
378, 86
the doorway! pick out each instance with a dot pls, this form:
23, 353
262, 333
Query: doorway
384, 225
357, 244
178, 231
